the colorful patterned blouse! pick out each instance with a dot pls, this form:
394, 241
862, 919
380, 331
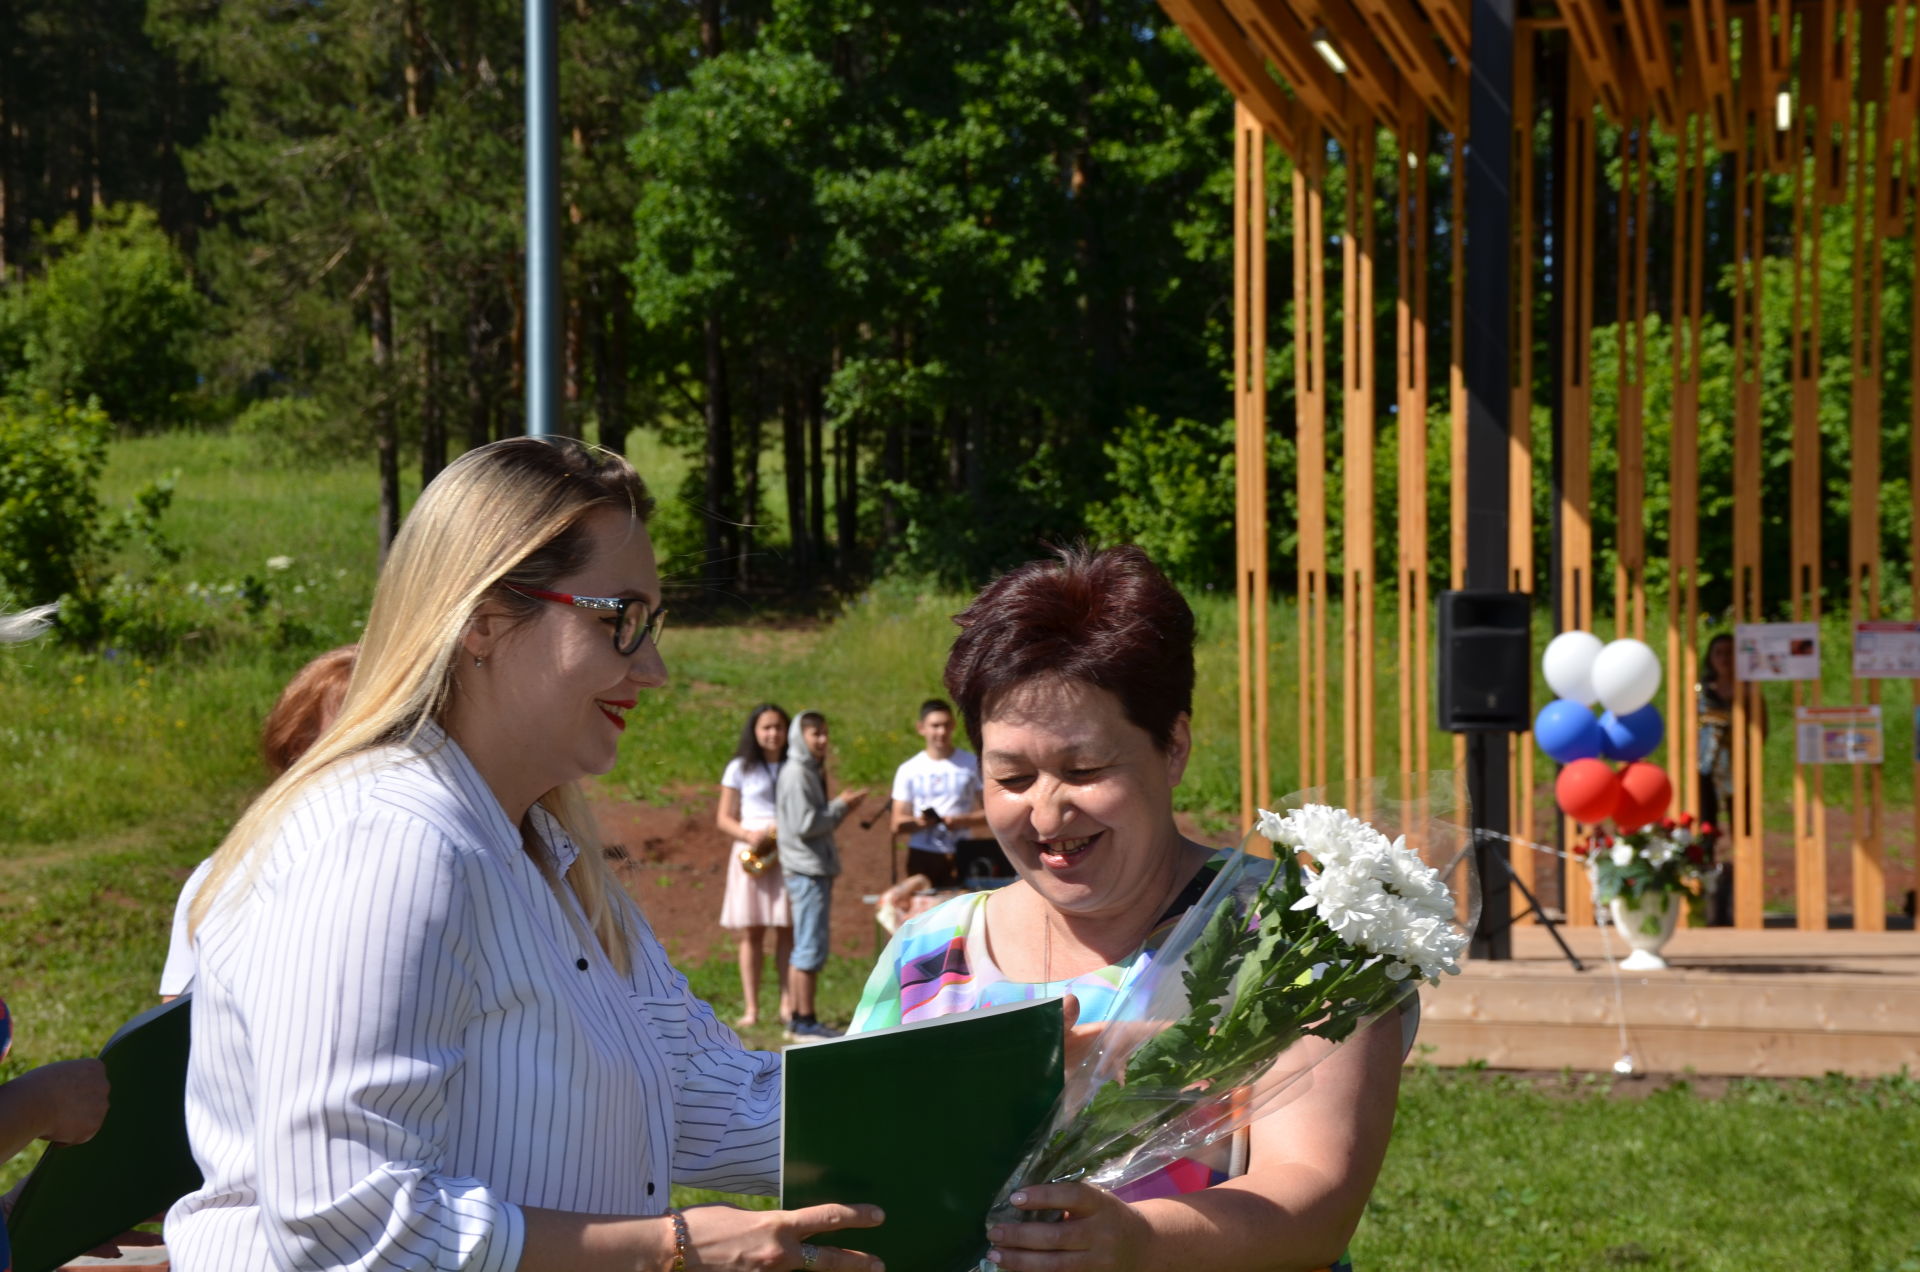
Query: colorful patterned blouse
938, 963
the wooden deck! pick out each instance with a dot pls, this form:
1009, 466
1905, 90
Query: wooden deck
1774, 1003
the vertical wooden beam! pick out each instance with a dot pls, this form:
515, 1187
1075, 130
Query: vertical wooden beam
1832, 91
1630, 272
1574, 278
1357, 402
1410, 348
1692, 173
1809, 802
1869, 270
1310, 423
1772, 27
1250, 453
1520, 421
1913, 435
1749, 250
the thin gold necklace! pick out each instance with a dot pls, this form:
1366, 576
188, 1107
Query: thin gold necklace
1046, 940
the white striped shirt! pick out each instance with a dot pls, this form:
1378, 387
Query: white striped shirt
399, 1039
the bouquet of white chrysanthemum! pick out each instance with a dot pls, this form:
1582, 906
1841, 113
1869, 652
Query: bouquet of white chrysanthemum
1338, 928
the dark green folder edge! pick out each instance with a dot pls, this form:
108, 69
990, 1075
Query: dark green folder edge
80, 1195
914, 1165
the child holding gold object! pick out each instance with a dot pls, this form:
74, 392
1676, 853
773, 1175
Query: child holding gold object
755, 904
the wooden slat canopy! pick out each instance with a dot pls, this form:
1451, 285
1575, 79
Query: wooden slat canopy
1657, 145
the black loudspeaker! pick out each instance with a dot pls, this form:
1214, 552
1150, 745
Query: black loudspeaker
1486, 662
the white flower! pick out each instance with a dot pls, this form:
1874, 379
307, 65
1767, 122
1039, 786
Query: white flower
278, 563
1374, 895
1269, 825
1623, 855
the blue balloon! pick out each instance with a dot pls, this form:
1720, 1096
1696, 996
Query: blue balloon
1634, 735
1567, 731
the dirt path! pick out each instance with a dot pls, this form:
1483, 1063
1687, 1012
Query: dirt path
675, 866
675, 861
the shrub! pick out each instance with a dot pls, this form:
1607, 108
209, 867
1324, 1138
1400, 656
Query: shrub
1172, 495
114, 317
296, 432
50, 458
55, 537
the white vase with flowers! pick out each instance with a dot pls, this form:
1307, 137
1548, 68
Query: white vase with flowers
1643, 877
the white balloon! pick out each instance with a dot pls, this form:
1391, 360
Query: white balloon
1626, 675
1568, 665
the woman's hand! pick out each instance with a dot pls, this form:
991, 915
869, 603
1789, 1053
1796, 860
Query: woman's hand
727, 1239
1101, 1233
73, 1097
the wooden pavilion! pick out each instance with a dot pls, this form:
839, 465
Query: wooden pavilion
1816, 99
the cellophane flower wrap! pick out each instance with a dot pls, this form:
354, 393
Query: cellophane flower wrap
1349, 899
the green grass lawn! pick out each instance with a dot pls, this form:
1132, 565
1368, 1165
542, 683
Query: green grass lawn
117, 774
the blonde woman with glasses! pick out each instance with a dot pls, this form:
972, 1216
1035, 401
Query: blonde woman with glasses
430, 1030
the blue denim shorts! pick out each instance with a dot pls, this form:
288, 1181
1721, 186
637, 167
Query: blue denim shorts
812, 897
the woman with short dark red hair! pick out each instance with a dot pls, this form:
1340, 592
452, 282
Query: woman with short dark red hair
1076, 679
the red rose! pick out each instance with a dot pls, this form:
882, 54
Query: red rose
1707, 828
1686, 819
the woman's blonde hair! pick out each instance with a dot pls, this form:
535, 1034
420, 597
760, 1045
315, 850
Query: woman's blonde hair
507, 513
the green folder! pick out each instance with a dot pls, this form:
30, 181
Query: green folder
135, 1167
924, 1120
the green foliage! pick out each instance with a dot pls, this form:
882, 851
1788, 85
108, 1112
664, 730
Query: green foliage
977, 245
295, 431
1173, 494
114, 317
50, 518
57, 540
724, 216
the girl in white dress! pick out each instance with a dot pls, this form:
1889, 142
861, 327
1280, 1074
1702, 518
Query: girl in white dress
755, 904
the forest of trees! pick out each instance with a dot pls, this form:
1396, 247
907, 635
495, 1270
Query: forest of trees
941, 280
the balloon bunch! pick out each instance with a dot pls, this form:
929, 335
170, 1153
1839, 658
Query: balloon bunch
1622, 677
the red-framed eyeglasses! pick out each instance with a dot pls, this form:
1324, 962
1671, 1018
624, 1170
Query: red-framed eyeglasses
633, 621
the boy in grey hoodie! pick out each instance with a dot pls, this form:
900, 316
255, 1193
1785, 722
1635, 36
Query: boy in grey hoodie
809, 859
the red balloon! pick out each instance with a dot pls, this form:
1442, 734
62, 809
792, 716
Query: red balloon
1644, 795
1587, 791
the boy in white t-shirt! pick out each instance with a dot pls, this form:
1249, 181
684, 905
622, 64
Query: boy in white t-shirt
936, 797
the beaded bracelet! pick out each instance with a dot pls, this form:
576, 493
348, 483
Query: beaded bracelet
680, 1239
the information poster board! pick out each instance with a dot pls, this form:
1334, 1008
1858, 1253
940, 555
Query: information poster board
1886, 651
1776, 651
1839, 735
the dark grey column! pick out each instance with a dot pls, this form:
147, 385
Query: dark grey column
542, 350
1487, 353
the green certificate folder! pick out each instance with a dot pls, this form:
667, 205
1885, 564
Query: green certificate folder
135, 1167
924, 1120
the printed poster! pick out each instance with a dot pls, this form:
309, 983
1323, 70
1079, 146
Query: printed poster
1839, 735
1883, 651
1776, 651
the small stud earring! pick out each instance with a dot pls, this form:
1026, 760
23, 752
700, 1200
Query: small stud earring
478, 661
